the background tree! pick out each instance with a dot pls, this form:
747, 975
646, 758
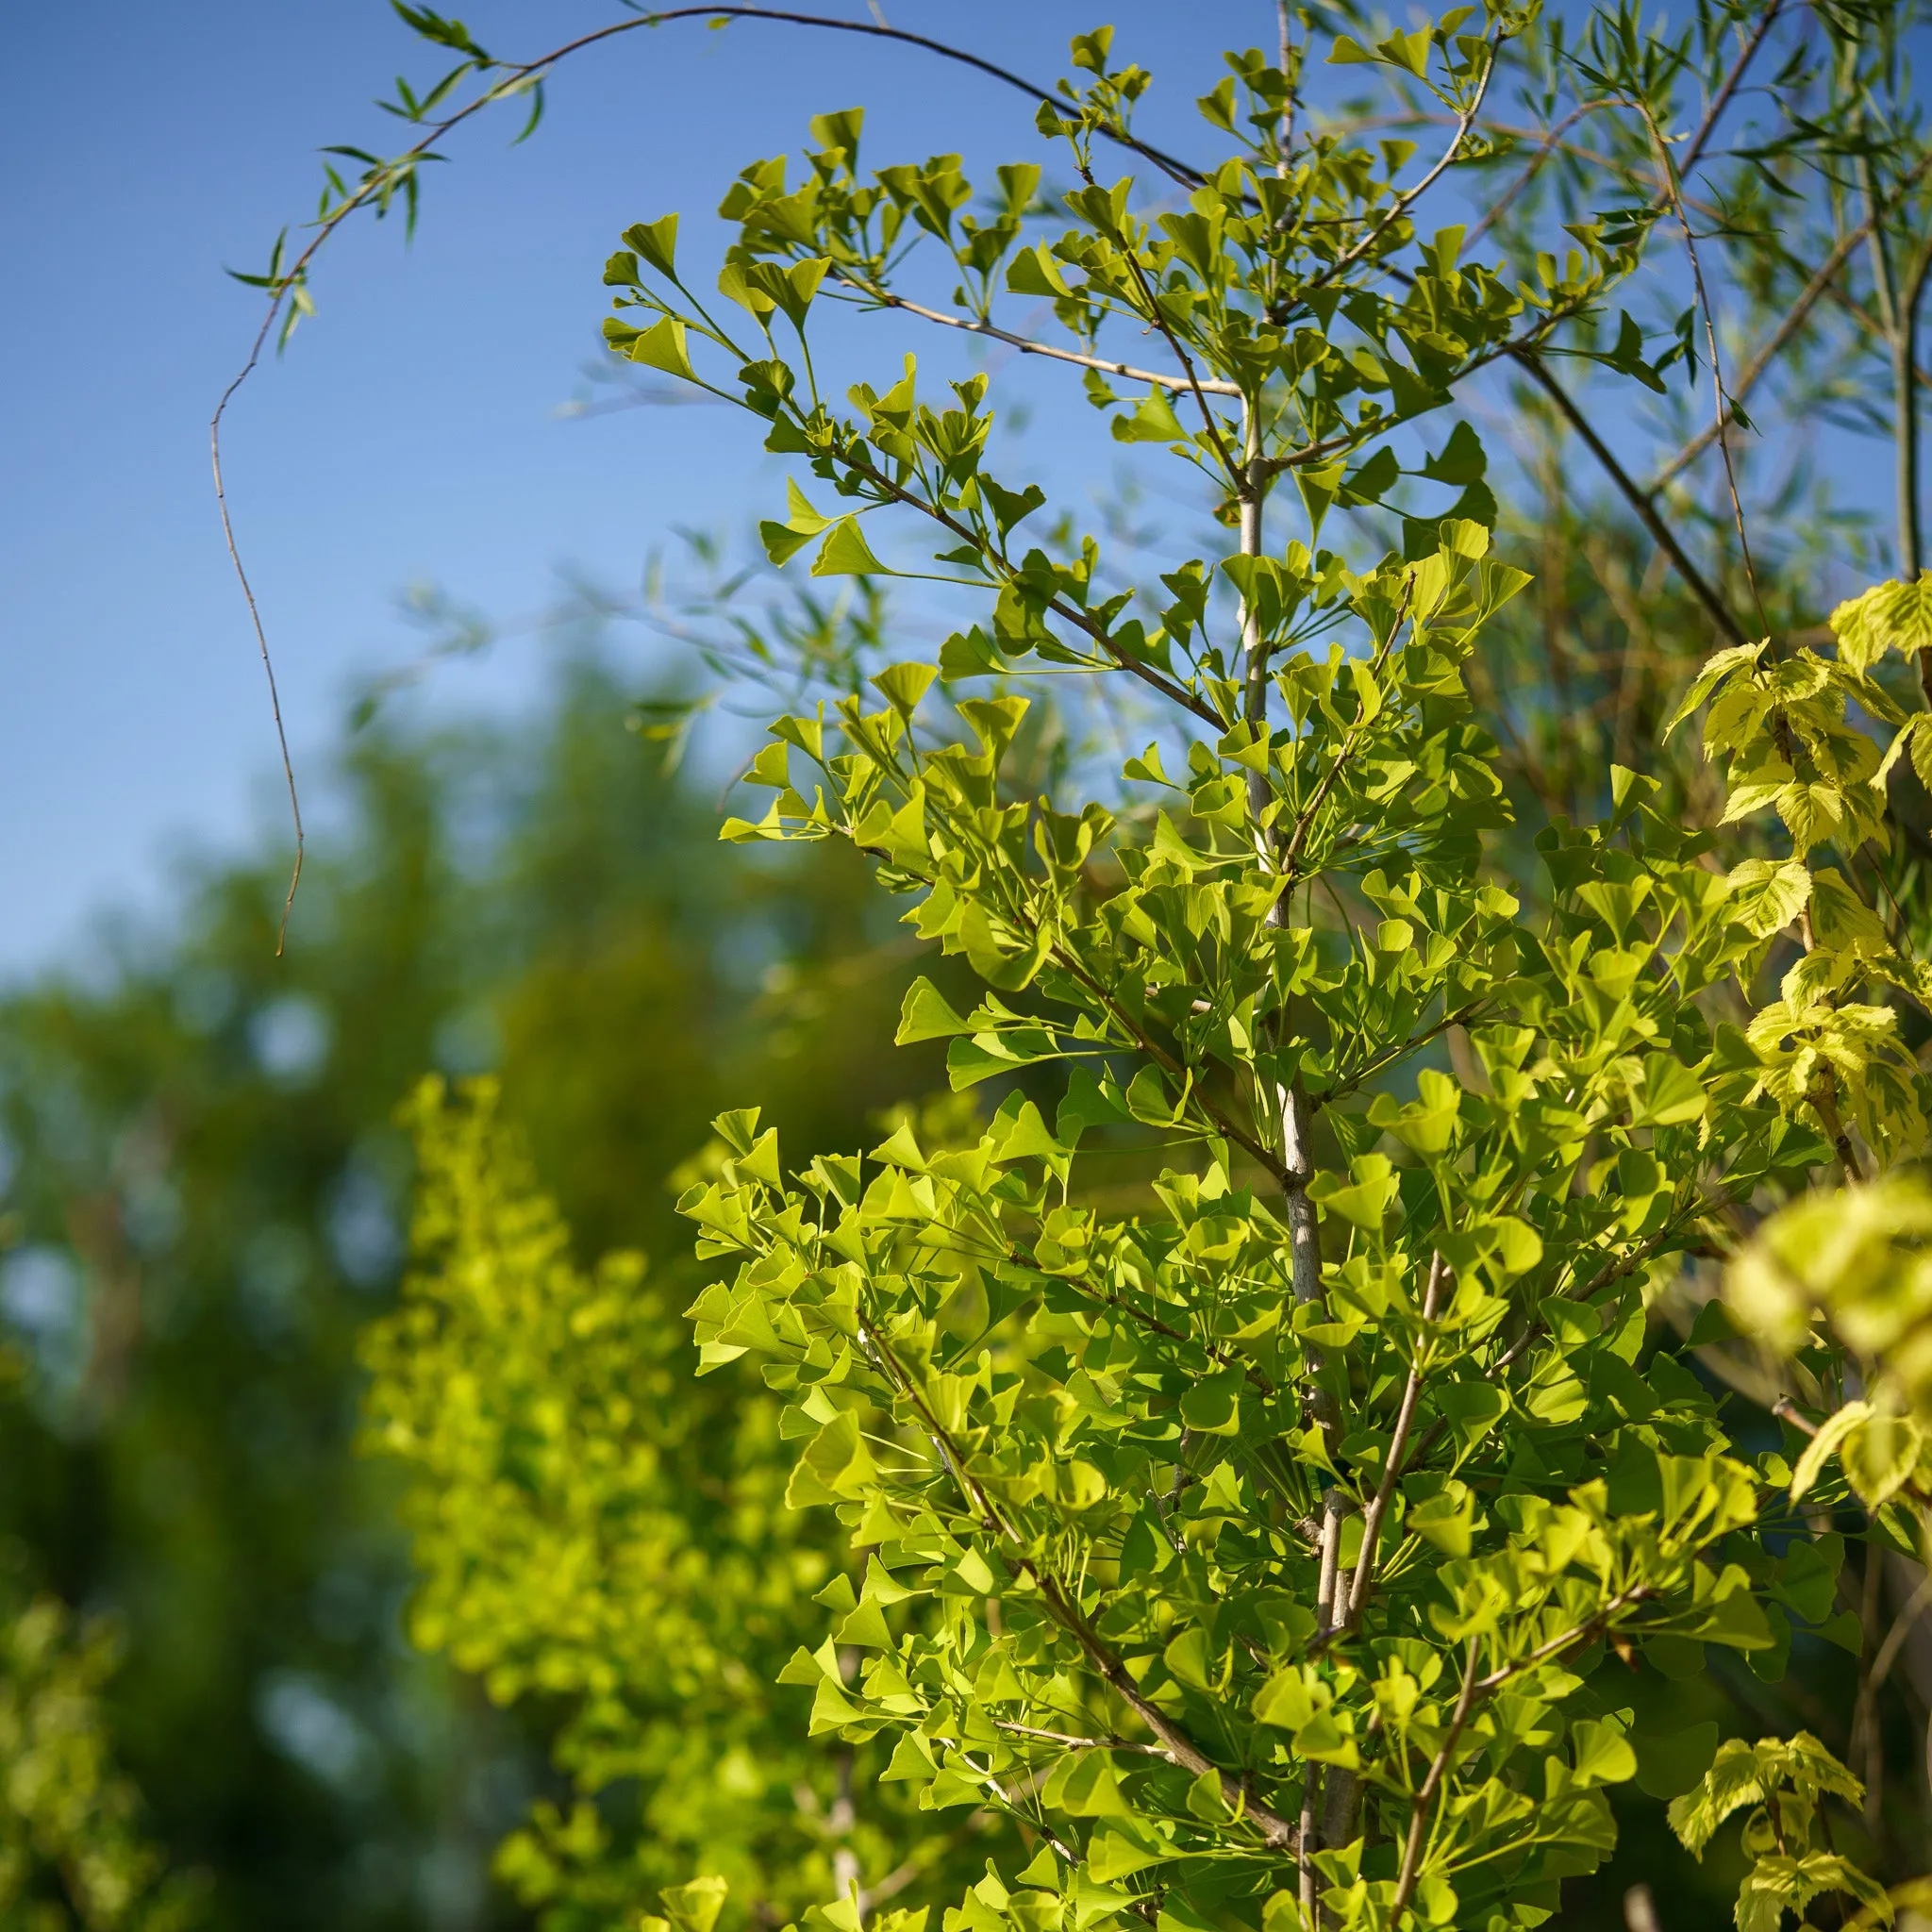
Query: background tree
208, 1201
72, 1851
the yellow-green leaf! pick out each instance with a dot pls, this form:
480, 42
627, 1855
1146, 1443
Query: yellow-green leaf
844, 553
1889, 617
662, 346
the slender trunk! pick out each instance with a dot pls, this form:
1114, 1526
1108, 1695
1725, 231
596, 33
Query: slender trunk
1304, 1241
1311, 1842
1898, 315
1641, 506
1314, 1819
1905, 389
1304, 1235
1254, 646
1906, 393
1292, 1106
1341, 1800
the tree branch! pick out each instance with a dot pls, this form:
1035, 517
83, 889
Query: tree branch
1722, 99
1632, 493
1181, 1749
1069, 613
1176, 170
1027, 346
1768, 352
1465, 119
1073, 1743
285, 286
1237, 474
1722, 402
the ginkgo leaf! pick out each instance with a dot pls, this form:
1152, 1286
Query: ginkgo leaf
1825, 1444
845, 553
1154, 421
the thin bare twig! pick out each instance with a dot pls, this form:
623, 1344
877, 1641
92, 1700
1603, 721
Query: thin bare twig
1076, 1743
1767, 353
1822, 283
1211, 386
376, 188
1723, 407
1548, 144
1632, 493
1626, 485
1898, 307
268, 663
1722, 99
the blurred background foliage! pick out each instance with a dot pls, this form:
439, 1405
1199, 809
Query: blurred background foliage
207, 1197
206, 1203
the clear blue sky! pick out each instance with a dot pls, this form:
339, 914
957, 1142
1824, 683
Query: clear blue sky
411, 432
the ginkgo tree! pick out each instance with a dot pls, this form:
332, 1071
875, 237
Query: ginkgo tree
1269, 1552
1267, 1536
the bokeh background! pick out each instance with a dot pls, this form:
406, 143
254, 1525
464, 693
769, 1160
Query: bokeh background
474, 556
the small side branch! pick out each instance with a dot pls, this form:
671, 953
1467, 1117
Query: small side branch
1174, 1741
1392, 1466
1465, 119
1767, 354
1425, 1798
1722, 99
972, 326
1723, 407
287, 285
1069, 1742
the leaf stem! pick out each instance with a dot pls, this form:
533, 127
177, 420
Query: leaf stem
1392, 1463
1432, 1782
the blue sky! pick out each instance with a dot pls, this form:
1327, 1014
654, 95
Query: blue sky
412, 433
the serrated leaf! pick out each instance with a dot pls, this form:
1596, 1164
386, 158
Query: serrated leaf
1766, 894
1889, 617
1715, 669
